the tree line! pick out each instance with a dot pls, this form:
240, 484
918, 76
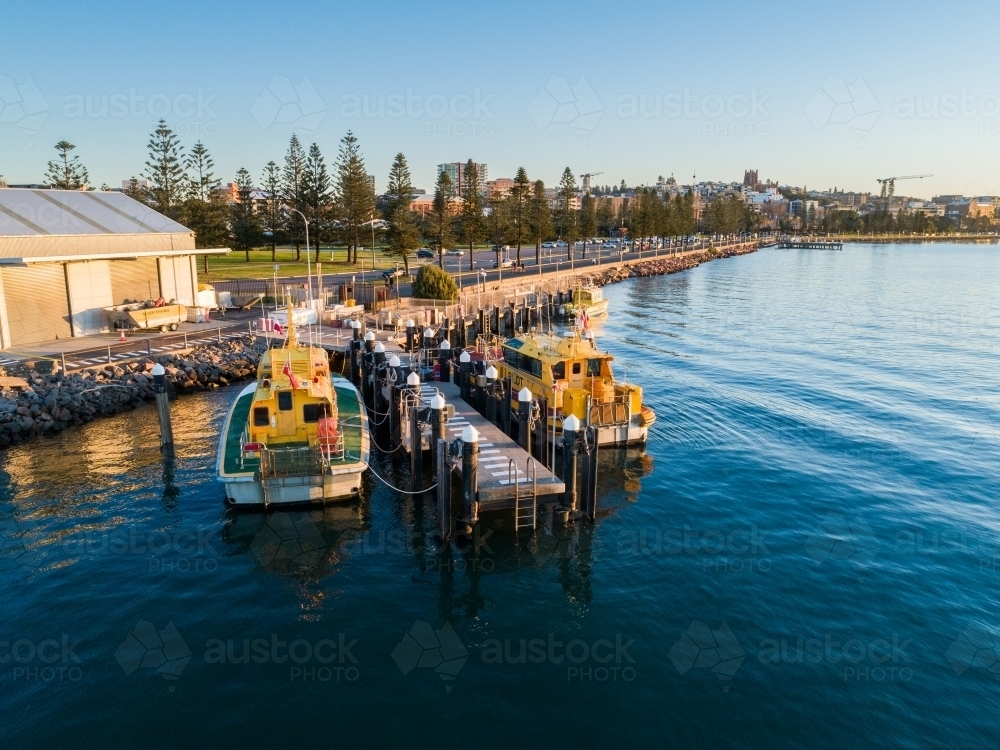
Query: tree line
339, 205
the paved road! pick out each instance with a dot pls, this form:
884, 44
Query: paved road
553, 260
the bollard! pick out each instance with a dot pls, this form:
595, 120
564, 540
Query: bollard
443, 491
109, 354
571, 426
464, 368
523, 418
491, 399
438, 419
506, 396
444, 360
590, 500
470, 478
379, 358
410, 330
428, 344
370, 342
541, 430
163, 406
356, 330
63, 358
413, 383
394, 377
220, 334
353, 349
149, 347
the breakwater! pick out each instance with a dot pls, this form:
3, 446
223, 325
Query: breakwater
666, 265
46, 404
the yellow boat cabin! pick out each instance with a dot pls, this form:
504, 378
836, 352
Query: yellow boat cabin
575, 377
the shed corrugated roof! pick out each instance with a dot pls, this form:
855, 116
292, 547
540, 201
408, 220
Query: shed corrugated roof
34, 213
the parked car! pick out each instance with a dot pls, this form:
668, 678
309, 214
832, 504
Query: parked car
560, 243
425, 253
456, 251
504, 263
610, 245
392, 273
548, 244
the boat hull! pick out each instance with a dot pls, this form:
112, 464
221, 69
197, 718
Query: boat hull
241, 478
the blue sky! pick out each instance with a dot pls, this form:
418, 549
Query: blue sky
821, 95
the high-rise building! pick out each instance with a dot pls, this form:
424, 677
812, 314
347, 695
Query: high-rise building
456, 172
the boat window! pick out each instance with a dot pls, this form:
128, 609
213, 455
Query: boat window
312, 412
261, 417
284, 400
559, 371
593, 368
576, 368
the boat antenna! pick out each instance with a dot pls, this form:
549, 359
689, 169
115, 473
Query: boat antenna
290, 340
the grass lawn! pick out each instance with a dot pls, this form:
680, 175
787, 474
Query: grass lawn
235, 265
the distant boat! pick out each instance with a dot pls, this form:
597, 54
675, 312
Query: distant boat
588, 301
296, 435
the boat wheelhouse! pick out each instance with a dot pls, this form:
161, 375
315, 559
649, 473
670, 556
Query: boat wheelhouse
575, 377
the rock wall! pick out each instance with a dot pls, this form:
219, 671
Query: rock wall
55, 402
662, 266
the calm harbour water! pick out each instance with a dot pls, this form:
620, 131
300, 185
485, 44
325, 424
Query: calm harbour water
805, 555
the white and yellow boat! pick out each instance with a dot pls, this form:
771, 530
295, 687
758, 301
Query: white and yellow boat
576, 378
296, 435
588, 302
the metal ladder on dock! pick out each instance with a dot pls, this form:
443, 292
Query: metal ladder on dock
528, 516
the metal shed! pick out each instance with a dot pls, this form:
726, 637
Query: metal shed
66, 254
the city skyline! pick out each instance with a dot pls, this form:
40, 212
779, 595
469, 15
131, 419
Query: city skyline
805, 97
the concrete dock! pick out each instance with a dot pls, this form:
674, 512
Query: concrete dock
496, 491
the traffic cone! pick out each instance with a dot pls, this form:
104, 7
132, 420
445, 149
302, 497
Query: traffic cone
121, 335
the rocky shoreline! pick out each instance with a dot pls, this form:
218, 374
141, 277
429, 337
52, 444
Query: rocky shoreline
662, 266
51, 403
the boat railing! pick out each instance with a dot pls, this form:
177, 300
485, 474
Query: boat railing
609, 413
298, 461
331, 450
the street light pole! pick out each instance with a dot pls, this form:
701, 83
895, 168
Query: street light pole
309, 277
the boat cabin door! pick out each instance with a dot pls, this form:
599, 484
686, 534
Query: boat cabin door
287, 425
574, 373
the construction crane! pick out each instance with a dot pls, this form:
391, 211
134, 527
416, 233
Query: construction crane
889, 183
586, 181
